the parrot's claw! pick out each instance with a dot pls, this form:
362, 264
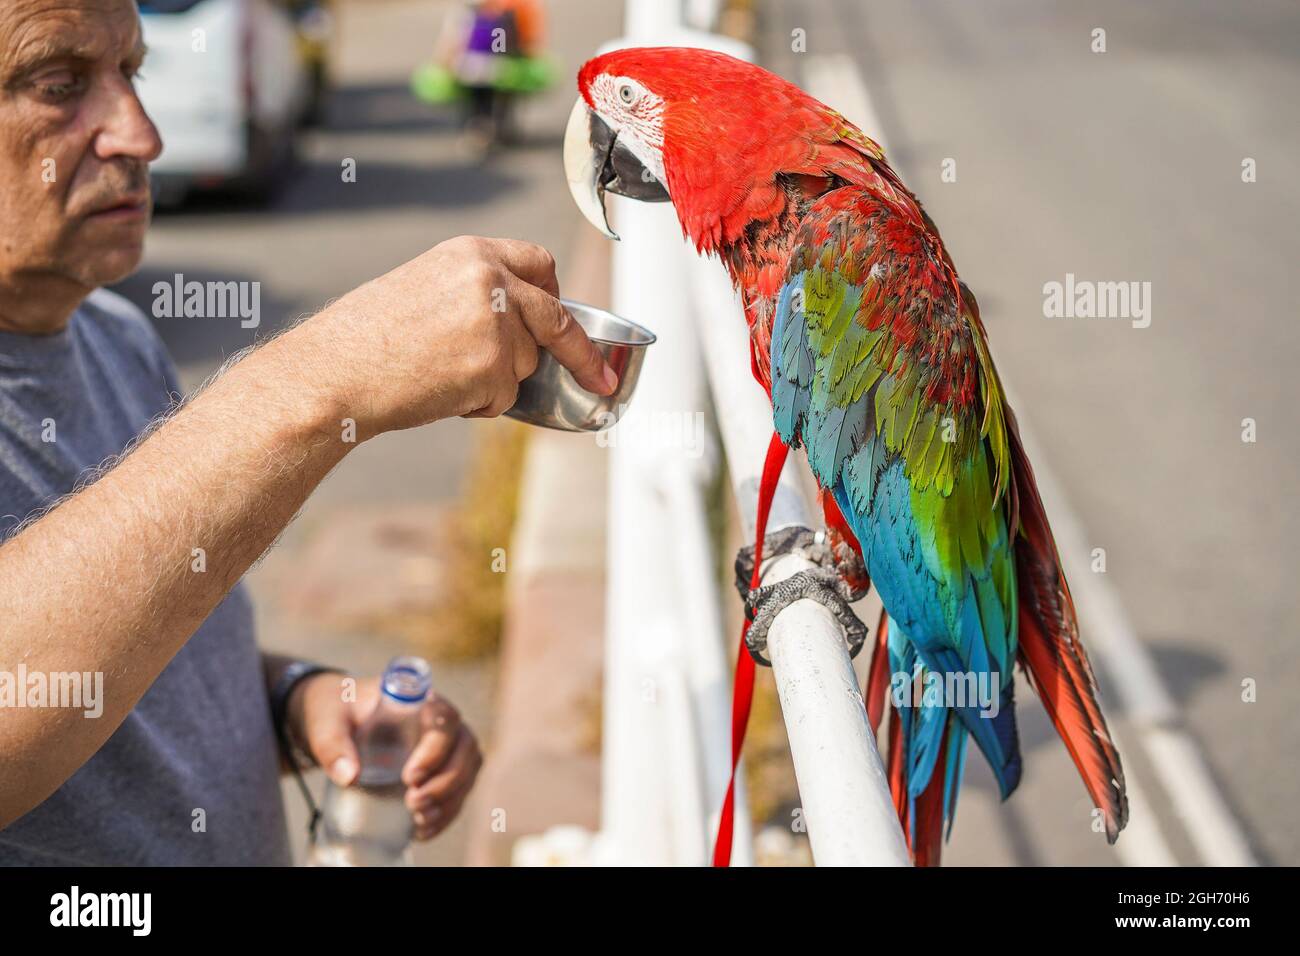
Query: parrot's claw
817, 584
825, 584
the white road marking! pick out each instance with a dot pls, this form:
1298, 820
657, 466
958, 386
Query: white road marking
1148, 706
1149, 709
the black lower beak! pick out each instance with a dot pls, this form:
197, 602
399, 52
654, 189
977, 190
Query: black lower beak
621, 173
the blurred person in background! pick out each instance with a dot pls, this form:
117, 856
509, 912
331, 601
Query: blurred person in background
314, 24
109, 492
488, 47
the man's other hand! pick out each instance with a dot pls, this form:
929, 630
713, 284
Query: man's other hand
440, 771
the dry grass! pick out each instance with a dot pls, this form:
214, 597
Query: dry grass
589, 723
467, 623
769, 771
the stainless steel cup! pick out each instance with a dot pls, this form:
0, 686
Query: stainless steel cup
551, 398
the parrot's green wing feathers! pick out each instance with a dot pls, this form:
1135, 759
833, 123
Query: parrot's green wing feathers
880, 370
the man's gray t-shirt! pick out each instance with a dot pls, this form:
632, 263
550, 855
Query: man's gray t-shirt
191, 776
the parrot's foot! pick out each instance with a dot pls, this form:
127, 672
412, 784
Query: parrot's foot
826, 584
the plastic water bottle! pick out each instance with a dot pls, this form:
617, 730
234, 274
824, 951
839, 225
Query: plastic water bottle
368, 824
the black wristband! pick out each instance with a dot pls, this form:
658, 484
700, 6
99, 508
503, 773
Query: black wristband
279, 694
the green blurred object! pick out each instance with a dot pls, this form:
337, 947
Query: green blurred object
432, 83
526, 74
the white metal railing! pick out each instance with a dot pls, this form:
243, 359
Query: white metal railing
666, 739
666, 743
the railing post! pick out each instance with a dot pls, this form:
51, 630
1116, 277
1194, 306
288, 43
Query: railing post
666, 711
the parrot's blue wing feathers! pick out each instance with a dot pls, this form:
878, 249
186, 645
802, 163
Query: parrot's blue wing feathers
914, 476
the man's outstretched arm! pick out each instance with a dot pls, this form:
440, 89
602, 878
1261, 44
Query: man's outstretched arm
104, 582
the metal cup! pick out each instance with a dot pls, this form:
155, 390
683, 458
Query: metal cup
551, 398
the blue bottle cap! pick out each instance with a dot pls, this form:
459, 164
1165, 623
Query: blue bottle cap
408, 679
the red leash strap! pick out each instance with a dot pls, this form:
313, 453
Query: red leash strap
742, 694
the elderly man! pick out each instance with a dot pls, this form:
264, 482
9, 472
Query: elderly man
98, 576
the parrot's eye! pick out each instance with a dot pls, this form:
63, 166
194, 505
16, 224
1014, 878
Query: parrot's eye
627, 93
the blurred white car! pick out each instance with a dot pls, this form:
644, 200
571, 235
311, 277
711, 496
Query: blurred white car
227, 83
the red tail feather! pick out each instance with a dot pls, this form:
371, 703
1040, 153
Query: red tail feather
924, 835
896, 770
877, 695
927, 838
1050, 650
878, 675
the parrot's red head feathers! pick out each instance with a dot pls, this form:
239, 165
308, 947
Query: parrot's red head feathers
718, 132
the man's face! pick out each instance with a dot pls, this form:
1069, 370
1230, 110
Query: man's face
75, 143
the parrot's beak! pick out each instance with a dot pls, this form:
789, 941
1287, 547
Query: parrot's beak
595, 163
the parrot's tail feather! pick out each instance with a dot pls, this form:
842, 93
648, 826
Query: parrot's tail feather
1008, 738
928, 815
896, 769
953, 769
1051, 653
927, 745
878, 675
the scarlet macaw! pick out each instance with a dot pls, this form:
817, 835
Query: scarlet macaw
875, 359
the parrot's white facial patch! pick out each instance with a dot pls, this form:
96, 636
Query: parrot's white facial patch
636, 116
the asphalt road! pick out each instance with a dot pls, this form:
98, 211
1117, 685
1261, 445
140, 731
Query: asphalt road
1125, 166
